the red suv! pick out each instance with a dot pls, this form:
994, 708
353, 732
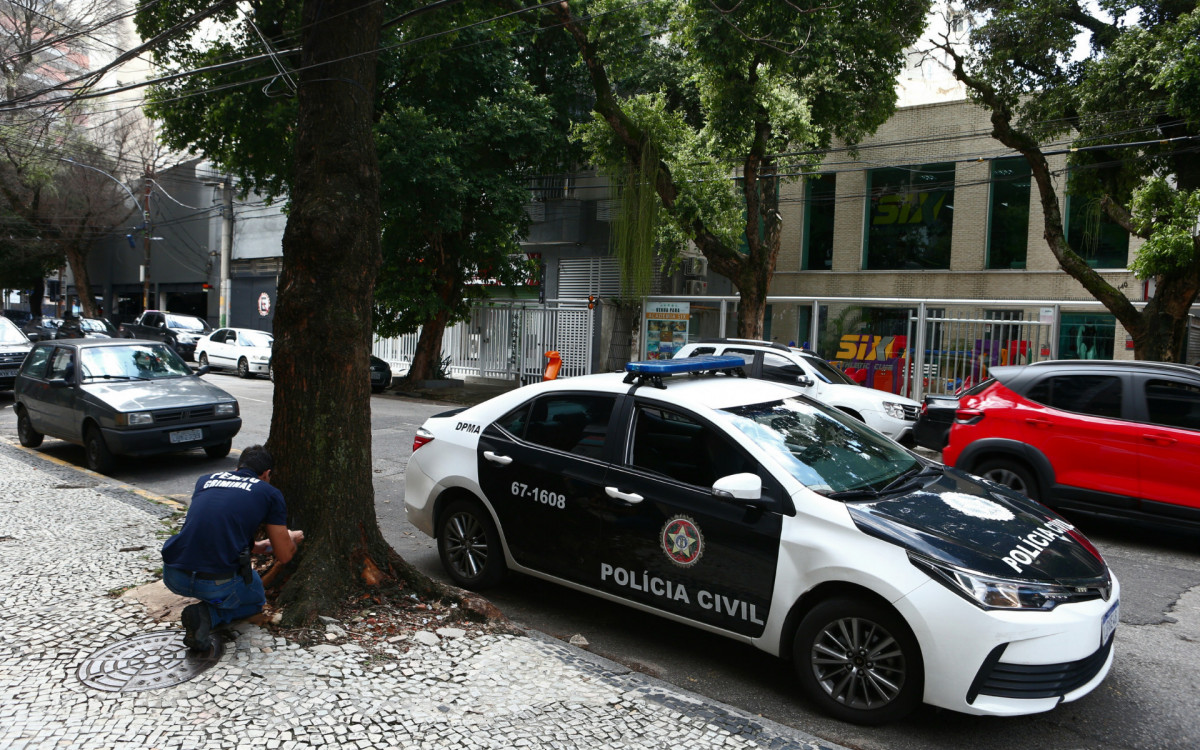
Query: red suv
1107, 437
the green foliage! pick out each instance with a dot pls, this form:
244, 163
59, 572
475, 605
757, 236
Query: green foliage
1170, 216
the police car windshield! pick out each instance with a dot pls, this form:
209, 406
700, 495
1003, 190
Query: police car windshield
826, 450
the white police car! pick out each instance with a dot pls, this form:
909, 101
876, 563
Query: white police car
742, 508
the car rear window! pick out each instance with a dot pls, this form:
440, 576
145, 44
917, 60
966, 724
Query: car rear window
1097, 395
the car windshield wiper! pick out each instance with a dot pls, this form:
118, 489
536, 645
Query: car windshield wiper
113, 377
913, 473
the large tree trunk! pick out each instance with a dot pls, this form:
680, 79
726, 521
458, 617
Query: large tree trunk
77, 260
428, 353
321, 428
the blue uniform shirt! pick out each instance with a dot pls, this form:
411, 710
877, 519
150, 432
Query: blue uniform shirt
227, 509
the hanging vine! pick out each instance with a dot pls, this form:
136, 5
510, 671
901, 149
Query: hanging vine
635, 226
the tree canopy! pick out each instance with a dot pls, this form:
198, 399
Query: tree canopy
1130, 101
753, 88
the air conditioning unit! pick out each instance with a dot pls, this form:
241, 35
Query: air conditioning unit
695, 267
696, 288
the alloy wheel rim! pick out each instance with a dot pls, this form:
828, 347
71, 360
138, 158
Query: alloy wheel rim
466, 545
858, 663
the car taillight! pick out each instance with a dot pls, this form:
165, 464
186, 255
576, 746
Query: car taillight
967, 416
422, 437
924, 408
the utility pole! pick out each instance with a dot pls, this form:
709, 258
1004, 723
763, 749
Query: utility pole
226, 245
146, 260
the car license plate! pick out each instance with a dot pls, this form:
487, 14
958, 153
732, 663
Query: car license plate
185, 436
1109, 623
8, 373
377, 376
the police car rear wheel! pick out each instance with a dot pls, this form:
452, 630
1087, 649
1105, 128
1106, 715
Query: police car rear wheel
469, 546
858, 661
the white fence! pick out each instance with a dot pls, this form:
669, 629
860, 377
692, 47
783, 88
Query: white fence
507, 340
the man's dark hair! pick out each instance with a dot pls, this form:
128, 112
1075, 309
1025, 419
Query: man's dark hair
257, 459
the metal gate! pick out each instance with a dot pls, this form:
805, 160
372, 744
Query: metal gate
955, 352
507, 340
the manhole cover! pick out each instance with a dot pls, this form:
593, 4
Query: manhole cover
146, 662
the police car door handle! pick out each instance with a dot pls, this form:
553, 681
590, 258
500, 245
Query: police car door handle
497, 458
629, 497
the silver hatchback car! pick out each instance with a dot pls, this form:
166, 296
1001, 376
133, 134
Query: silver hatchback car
120, 397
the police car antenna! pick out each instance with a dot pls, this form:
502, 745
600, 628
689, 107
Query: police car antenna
652, 371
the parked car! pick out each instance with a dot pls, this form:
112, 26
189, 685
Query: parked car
801, 369
41, 328
180, 332
244, 350
20, 317
1108, 437
14, 345
117, 397
85, 328
381, 375
754, 512
932, 428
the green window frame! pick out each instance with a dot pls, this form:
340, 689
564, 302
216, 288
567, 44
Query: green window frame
910, 217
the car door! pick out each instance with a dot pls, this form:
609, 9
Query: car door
32, 388
226, 349
1079, 422
669, 542
59, 395
542, 467
1170, 446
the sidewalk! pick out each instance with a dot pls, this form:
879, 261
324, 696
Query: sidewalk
70, 543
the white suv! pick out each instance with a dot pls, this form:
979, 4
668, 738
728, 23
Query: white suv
888, 413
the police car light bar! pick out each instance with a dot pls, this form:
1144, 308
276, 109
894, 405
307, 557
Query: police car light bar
651, 371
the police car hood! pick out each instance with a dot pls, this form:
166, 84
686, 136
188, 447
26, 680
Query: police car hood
166, 393
981, 527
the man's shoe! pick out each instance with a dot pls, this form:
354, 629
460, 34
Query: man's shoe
197, 626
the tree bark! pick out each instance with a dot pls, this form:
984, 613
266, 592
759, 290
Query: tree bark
77, 260
320, 429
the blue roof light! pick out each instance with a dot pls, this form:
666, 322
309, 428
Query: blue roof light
684, 364
652, 371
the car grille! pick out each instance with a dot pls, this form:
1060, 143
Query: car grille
1036, 680
911, 412
183, 416
10, 359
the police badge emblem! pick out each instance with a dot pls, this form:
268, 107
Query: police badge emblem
682, 541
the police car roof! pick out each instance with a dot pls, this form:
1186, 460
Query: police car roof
698, 392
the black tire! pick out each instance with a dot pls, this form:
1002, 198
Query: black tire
203, 359
220, 450
378, 388
243, 369
271, 371
99, 458
859, 661
1011, 474
469, 545
29, 437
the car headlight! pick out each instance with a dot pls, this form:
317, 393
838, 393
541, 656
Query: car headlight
261, 358
988, 592
135, 418
226, 410
893, 410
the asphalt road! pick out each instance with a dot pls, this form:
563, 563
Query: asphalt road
1151, 698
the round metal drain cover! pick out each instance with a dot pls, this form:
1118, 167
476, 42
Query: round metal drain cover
146, 662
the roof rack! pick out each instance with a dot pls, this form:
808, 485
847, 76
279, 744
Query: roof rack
650, 372
755, 342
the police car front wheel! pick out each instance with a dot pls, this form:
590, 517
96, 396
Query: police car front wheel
469, 545
858, 661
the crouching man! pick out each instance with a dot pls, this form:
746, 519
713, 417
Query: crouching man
209, 559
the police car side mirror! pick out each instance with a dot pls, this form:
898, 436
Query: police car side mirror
745, 486
804, 381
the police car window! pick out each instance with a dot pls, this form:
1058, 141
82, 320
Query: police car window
675, 445
1098, 395
514, 422
822, 448
35, 364
576, 423
746, 354
1173, 404
701, 351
